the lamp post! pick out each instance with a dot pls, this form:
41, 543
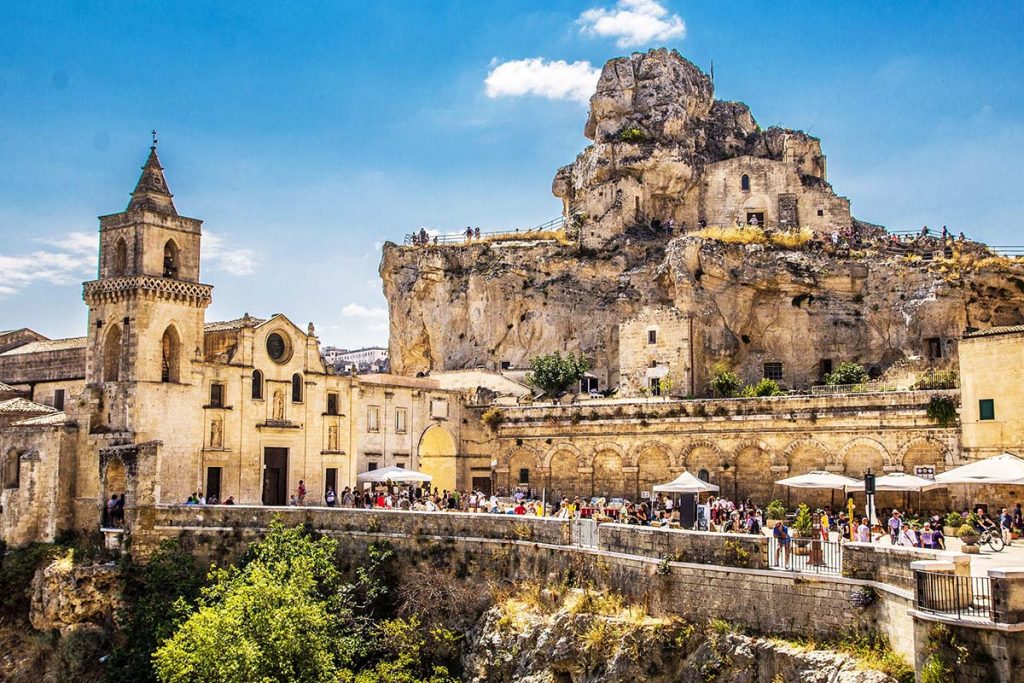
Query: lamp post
869, 495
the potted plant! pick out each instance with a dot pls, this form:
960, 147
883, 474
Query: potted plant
952, 523
802, 527
775, 512
968, 535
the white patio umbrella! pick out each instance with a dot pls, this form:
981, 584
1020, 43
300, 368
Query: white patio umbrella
686, 483
818, 480
1006, 468
395, 474
900, 481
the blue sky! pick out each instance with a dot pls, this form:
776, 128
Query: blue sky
306, 134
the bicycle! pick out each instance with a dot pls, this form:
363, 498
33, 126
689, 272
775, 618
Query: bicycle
993, 538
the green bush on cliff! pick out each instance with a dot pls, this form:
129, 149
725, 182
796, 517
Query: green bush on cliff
847, 373
765, 387
285, 614
725, 384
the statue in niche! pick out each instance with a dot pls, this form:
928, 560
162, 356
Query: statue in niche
216, 434
332, 438
278, 413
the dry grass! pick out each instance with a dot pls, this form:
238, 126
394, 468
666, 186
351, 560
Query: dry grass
528, 235
750, 234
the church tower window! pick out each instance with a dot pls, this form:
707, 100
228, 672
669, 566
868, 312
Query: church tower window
170, 259
257, 384
120, 266
112, 355
296, 388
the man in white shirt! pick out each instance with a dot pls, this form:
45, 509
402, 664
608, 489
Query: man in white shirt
864, 531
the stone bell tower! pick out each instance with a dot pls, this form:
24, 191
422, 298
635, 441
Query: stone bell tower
146, 310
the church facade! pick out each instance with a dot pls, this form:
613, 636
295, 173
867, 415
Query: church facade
158, 404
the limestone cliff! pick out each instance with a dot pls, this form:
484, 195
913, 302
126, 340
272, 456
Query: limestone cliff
810, 286
481, 305
581, 641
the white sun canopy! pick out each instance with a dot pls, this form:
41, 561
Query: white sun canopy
395, 474
819, 480
1006, 468
900, 481
686, 483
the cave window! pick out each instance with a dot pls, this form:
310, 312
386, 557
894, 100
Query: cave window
821, 212
652, 336
506, 365
773, 371
825, 368
934, 347
745, 183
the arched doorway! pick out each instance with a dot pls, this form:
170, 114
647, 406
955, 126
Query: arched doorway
115, 483
437, 453
753, 475
607, 475
564, 474
170, 352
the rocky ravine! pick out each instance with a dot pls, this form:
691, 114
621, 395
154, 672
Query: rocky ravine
517, 642
477, 305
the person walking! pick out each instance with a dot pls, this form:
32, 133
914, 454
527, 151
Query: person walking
1006, 526
781, 535
895, 524
330, 497
864, 531
302, 492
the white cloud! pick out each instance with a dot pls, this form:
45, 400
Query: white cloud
556, 80
232, 261
633, 23
354, 310
72, 260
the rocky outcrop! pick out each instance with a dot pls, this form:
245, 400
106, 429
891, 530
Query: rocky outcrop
66, 596
480, 305
515, 642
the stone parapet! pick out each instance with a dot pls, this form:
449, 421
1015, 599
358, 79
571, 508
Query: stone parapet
678, 545
892, 564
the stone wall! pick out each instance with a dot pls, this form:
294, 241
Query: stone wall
56, 365
889, 564
617, 448
697, 547
992, 654
655, 344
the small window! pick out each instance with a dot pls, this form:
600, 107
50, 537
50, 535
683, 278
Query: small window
524, 476
332, 403
257, 384
825, 368
745, 183
652, 336
58, 399
934, 347
821, 212
773, 371
296, 388
216, 395
987, 409
400, 415
373, 419
588, 384
506, 365
655, 386
703, 475
371, 466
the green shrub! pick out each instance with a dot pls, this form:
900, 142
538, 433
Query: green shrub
847, 373
633, 134
765, 387
492, 418
954, 519
725, 384
803, 523
555, 373
943, 379
942, 409
966, 530
776, 510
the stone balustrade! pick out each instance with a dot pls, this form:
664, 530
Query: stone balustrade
677, 545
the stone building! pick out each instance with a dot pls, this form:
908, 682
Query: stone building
664, 149
156, 403
655, 354
992, 389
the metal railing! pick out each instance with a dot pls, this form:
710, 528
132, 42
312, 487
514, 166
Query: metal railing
863, 388
810, 555
949, 594
464, 238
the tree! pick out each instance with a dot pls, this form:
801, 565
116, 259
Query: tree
765, 387
847, 373
282, 615
554, 373
725, 384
